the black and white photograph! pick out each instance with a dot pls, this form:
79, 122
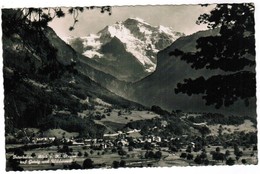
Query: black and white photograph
129, 86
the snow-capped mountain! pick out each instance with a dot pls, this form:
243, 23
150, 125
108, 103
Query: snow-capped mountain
126, 50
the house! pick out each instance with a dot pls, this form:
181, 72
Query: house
157, 139
99, 146
123, 142
43, 139
88, 142
78, 143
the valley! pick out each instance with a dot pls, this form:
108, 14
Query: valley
120, 97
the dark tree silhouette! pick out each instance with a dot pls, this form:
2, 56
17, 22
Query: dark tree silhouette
74, 165
37, 59
232, 52
230, 161
122, 163
115, 164
19, 152
88, 164
32, 24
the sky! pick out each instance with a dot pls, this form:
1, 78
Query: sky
181, 18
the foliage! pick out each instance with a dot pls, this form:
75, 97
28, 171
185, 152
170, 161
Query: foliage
88, 164
141, 124
218, 156
33, 155
19, 152
115, 164
230, 161
216, 118
204, 130
243, 161
232, 52
122, 163
190, 156
183, 155
14, 164
40, 55
121, 152
40, 17
85, 126
198, 160
74, 165
153, 155
159, 110
35, 58
65, 149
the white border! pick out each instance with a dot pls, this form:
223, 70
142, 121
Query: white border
48, 3
192, 170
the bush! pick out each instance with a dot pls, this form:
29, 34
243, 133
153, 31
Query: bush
183, 155
190, 156
75, 165
230, 162
203, 155
227, 153
244, 161
149, 154
158, 155
122, 152
33, 155
159, 110
198, 160
18, 152
122, 163
88, 164
206, 162
218, 156
130, 148
188, 149
80, 154
114, 150
86, 154
115, 164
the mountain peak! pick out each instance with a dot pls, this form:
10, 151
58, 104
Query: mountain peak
141, 41
137, 20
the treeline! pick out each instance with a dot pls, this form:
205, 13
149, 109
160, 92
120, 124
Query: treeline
144, 124
29, 104
86, 127
174, 125
19, 151
215, 118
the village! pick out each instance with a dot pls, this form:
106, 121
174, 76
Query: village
130, 150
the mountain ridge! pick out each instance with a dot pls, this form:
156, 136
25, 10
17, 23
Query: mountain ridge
140, 40
158, 87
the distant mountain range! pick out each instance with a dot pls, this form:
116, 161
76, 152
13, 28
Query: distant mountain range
125, 65
31, 97
137, 55
158, 88
127, 50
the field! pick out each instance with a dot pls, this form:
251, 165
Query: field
136, 158
117, 119
246, 127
